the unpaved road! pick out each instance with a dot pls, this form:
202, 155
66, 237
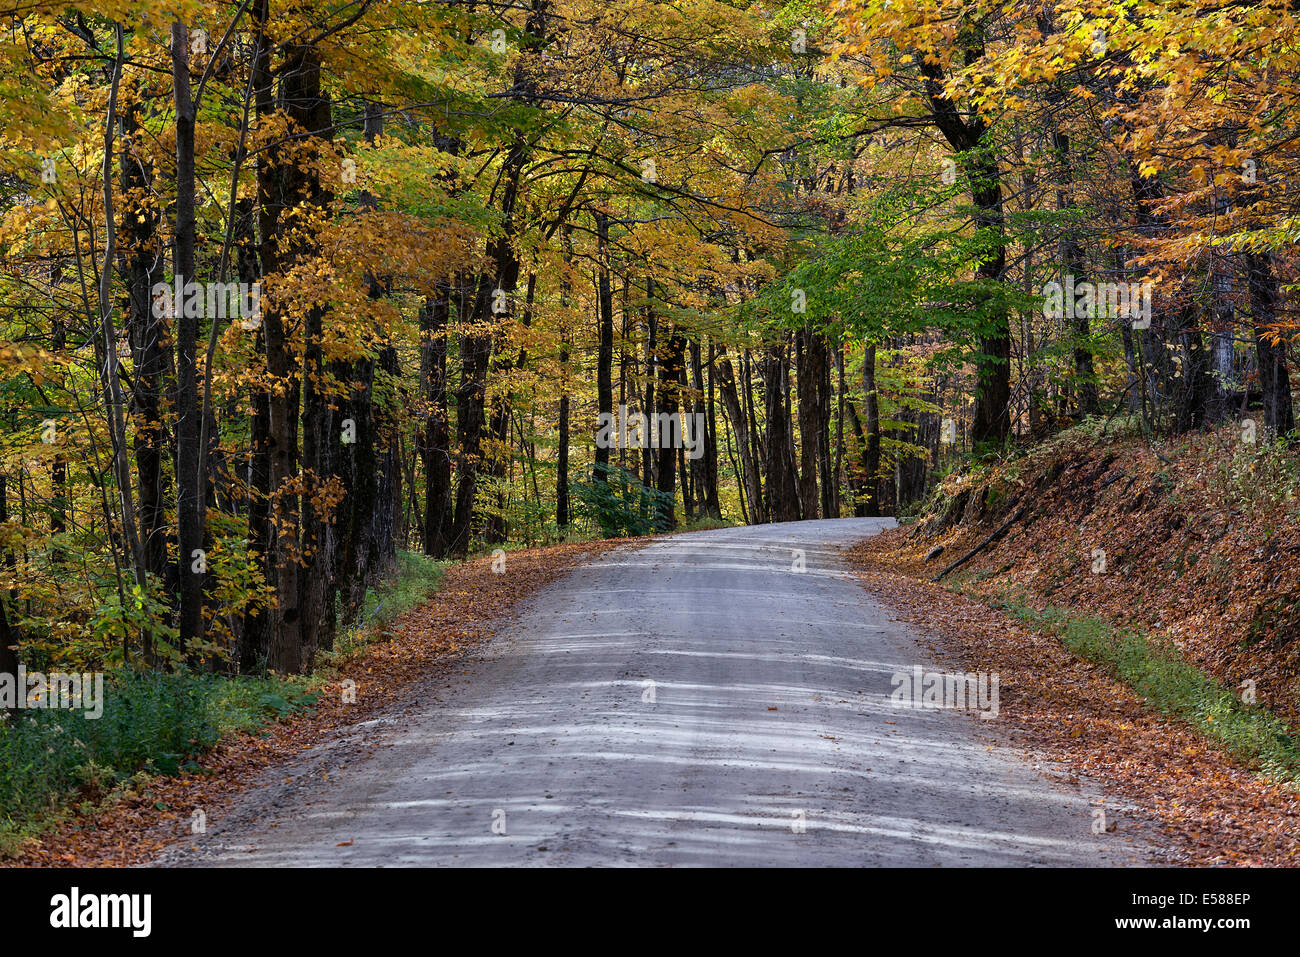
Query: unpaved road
767, 737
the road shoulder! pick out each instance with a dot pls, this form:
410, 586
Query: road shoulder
1200, 808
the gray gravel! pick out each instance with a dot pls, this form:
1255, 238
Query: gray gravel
767, 737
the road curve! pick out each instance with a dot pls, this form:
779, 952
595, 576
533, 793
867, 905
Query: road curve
697, 701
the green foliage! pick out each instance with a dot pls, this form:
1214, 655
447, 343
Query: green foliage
621, 506
416, 578
151, 722
117, 623
893, 274
1260, 477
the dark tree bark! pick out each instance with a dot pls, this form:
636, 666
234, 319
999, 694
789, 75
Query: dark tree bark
605, 335
1071, 253
189, 455
255, 636
434, 443
830, 504
779, 462
704, 466
864, 493
648, 477
807, 373
323, 450
562, 452
320, 460
562, 456
871, 451
1193, 391
749, 475
140, 262
435, 436
1275, 380
9, 634
712, 503
670, 374
970, 136
475, 349
756, 439
287, 190
498, 528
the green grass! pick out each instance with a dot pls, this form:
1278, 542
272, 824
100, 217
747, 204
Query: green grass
706, 523
416, 579
51, 760
1173, 686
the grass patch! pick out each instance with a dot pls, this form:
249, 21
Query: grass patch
417, 577
415, 580
1249, 732
705, 523
151, 723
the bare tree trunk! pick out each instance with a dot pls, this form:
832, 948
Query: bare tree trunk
435, 437
605, 335
141, 267
1274, 377
871, 453
713, 504
108, 345
651, 371
1072, 257
288, 190
475, 349
498, 528
562, 453
669, 373
703, 475
189, 456
749, 476
807, 373
970, 137
9, 634
782, 475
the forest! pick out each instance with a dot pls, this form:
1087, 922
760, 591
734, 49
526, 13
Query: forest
294, 293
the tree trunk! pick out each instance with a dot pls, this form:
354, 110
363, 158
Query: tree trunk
779, 464
1072, 258
434, 451
189, 455
871, 452
1273, 375
9, 634
970, 137
141, 268
749, 476
605, 348
702, 474
288, 190
562, 453
670, 375
807, 376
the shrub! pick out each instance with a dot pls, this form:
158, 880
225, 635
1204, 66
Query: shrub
622, 506
151, 722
